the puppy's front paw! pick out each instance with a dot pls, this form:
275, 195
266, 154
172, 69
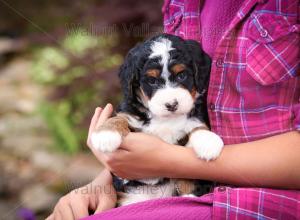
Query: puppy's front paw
206, 144
106, 140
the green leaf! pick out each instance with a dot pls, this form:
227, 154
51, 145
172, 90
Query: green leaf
60, 127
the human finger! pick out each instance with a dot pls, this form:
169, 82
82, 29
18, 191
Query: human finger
79, 207
105, 114
50, 217
93, 123
63, 210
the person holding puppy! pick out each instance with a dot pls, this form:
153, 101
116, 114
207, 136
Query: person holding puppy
253, 105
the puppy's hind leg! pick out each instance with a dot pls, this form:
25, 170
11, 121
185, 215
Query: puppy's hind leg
193, 188
109, 136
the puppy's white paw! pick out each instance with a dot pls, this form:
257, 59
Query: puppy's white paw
106, 140
206, 144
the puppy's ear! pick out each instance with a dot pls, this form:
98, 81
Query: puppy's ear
129, 72
202, 64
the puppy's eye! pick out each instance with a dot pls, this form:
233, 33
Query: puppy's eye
181, 76
152, 81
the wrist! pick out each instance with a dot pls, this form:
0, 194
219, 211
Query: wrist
180, 162
104, 178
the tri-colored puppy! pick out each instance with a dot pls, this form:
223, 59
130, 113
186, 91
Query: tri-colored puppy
164, 82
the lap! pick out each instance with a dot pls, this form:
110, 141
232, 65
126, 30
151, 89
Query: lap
187, 208
222, 203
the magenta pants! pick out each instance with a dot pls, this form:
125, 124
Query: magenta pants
186, 208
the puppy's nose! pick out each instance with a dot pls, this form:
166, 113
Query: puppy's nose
172, 107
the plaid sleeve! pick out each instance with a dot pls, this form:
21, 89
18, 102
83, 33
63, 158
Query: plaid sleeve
255, 203
172, 15
182, 18
273, 36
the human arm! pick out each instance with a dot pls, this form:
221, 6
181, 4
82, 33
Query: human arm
270, 162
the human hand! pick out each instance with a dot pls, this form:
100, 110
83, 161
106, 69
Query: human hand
140, 155
143, 156
97, 196
99, 117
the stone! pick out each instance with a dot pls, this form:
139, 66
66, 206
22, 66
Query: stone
8, 210
8, 45
82, 169
17, 71
38, 198
24, 146
18, 125
46, 160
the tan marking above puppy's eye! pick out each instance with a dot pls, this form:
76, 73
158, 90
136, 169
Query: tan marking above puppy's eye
153, 73
178, 68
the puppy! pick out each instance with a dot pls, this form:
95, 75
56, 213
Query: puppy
164, 82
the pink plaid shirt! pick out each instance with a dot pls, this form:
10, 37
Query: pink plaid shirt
254, 90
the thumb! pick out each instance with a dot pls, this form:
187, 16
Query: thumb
129, 141
50, 217
107, 200
135, 139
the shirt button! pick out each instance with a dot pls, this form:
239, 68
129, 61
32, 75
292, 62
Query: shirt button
293, 28
264, 33
222, 189
219, 62
212, 107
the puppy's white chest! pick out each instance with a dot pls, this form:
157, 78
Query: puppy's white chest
170, 130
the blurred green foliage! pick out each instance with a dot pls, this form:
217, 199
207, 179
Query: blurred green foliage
72, 72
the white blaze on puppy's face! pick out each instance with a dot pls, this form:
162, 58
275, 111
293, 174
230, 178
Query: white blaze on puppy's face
162, 49
169, 99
